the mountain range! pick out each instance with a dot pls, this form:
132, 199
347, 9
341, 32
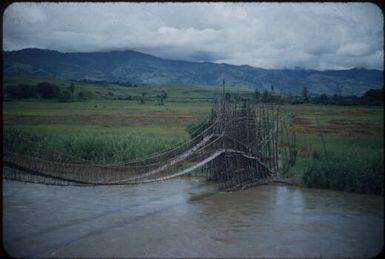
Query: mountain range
136, 67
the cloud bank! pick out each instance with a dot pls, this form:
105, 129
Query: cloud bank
267, 35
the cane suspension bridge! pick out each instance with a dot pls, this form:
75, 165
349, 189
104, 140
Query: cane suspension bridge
238, 145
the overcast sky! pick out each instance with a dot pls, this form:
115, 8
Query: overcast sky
268, 35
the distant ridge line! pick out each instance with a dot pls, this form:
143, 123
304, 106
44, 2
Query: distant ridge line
136, 67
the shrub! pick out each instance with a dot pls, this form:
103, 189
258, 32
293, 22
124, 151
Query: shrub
85, 94
196, 127
349, 174
65, 96
71, 88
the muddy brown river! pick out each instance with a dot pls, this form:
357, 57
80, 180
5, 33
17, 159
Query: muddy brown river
178, 218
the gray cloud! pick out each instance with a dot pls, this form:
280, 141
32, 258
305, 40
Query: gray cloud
268, 35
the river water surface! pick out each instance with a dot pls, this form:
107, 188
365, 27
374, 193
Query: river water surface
173, 219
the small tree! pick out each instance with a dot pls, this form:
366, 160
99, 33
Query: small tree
161, 102
305, 94
257, 95
142, 98
227, 97
289, 97
71, 88
162, 96
14, 91
265, 96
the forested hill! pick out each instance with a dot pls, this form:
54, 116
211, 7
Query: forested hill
136, 67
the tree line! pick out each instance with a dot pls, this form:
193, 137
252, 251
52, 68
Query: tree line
106, 82
43, 90
46, 90
370, 97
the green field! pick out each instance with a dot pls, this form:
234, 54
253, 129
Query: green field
335, 143
98, 129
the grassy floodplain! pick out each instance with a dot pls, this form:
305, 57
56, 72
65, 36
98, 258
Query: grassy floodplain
339, 147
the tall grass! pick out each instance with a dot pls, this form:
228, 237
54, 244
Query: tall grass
72, 146
348, 173
351, 164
